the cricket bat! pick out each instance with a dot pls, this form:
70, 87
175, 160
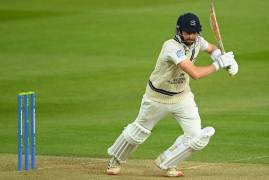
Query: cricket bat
215, 29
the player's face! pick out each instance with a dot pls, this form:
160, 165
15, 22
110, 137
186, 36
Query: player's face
189, 37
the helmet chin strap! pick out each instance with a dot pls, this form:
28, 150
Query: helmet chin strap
178, 38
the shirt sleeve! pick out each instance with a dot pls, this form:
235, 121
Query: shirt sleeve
175, 54
203, 44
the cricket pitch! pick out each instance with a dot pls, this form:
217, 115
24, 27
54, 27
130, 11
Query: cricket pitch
50, 167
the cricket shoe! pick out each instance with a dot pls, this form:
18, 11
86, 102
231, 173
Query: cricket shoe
174, 172
113, 167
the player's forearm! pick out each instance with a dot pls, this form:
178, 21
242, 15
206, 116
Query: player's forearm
211, 48
202, 71
196, 72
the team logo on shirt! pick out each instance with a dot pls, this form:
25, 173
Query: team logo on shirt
178, 80
180, 53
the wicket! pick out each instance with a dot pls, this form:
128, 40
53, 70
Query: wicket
23, 105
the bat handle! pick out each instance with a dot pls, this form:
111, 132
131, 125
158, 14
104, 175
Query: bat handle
221, 47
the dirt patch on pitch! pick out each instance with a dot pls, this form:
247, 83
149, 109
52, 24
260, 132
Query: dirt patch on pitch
66, 168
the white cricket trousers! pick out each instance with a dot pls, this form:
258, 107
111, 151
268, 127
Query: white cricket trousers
185, 112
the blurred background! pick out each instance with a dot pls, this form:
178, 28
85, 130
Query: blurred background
89, 62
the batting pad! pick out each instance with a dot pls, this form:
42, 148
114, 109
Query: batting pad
133, 135
183, 148
178, 152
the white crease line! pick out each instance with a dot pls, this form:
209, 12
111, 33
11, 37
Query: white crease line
54, 167
196, 167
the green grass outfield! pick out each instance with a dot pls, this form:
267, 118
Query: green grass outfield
89, 61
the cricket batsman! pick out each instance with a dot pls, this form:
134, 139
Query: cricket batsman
168, 91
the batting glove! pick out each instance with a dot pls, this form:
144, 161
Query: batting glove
233, 69
224, 61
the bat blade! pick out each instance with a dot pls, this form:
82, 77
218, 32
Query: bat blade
215, 28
